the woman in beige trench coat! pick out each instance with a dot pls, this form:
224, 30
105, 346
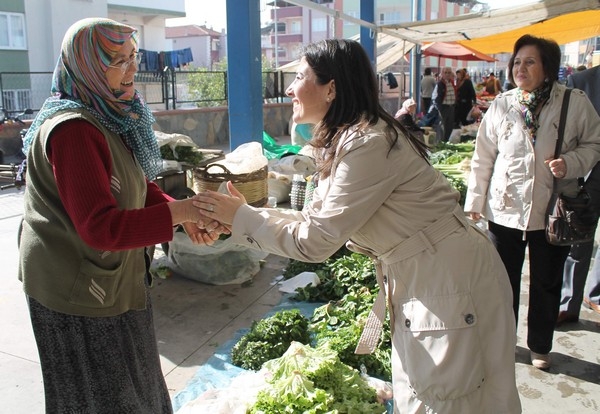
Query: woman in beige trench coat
448, 294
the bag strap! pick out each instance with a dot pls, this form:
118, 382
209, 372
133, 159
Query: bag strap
561, 130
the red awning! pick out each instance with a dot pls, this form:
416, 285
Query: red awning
453, 50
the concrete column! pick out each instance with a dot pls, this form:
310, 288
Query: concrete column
244, 77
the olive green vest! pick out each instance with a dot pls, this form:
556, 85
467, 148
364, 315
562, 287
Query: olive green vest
57, 267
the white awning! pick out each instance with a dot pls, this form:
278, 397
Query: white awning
487, 23
490, 32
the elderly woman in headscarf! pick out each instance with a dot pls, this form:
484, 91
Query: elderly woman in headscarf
90, 210
406, 116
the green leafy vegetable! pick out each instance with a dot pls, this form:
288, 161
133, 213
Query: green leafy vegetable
186, 154
349, 286
314, 381
269, 338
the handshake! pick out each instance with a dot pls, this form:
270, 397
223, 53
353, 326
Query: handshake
207, 215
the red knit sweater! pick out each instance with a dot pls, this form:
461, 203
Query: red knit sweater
81, 162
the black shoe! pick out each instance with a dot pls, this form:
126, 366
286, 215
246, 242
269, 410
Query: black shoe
565, 317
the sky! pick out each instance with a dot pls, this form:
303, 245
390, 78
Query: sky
215, 16
197, 12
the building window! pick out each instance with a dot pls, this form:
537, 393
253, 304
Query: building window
16, 100
12, 31
295, 27
319, 24
280, 27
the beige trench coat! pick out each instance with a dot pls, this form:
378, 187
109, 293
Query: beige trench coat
454, 331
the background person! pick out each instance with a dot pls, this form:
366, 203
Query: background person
444, 100
427, 86
465, 98
512, 169
406, 116
577, 264
481, 85
89, 211
377, 191
492, 85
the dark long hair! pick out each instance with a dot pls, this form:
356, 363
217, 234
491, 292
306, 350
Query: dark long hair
549, 52
356, 103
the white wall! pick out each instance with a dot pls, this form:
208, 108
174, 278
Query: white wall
170, 5
47, 23
200, 46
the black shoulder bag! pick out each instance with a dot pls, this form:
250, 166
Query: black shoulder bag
569, 220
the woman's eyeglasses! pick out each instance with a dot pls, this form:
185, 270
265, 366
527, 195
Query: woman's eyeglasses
137, 58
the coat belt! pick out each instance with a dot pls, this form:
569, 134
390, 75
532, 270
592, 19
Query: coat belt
421, 241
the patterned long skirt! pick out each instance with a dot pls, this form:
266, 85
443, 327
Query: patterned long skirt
107, 365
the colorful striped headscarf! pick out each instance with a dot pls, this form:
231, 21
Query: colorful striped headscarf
79, 81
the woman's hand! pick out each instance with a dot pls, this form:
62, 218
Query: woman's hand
557, 166
200, 229
475, 216
199, 235
218, 206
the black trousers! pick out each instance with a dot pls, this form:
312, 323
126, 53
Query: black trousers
426, 105
546, 264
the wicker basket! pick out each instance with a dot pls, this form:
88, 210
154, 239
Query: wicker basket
252, 185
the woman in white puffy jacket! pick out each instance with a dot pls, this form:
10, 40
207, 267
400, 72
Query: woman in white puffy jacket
512, 174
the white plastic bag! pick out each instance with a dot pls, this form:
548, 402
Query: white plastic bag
455, 136
245, 159
279, 186
235, 399
223, 263
299, 281
282, 171
174, 141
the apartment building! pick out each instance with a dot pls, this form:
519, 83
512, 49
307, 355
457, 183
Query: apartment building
297, 25
31, 32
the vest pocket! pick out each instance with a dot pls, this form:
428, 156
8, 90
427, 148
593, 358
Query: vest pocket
443, 357
95, 287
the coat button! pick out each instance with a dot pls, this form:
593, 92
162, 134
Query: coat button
469, 318
407, 323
